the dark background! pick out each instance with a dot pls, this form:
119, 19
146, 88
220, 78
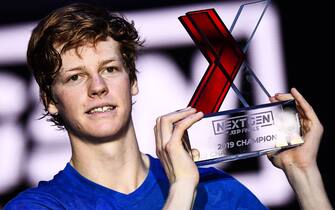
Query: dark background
307, 50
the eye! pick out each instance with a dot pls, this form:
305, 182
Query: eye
110, 69
74, 77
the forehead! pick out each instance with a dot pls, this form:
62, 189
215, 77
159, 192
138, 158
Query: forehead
90, 53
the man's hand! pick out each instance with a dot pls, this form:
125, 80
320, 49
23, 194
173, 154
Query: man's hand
299, 163
303, 156
178, 163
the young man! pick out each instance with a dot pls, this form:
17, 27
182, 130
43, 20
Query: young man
83, 59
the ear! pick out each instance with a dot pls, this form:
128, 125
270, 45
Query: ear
52, 109
134, 88
50, 104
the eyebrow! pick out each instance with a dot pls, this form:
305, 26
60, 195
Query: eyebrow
72, 69
102, 63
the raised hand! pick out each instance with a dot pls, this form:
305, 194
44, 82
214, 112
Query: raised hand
299, 163
178, 163
305, 155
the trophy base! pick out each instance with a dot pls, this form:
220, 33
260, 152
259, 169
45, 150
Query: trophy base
246, 132
241, 156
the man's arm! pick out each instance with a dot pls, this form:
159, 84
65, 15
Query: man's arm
299, 163
178, 164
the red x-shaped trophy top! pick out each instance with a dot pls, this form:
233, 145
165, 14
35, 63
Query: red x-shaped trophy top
223, 54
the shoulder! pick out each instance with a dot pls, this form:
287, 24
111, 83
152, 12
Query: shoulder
43, 196
221, 189
33, 198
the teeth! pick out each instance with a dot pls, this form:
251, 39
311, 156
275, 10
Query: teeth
101, 109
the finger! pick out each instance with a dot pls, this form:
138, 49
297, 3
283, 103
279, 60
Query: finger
301, 111
195, 154
283, 96
158, 135
184, 124
158, 141
160, 149
180, 110
168, 121
273, 99
174, 147
304, 105
163, 130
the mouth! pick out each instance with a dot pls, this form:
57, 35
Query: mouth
101, 109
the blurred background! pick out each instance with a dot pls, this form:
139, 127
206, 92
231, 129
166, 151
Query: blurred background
290, 49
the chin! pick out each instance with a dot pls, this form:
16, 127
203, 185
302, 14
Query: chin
106, 133
100, 131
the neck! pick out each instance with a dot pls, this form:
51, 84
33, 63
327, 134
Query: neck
117, 164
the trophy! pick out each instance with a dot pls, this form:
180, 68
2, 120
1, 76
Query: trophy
239, 133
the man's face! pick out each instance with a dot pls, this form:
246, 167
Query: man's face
92, 92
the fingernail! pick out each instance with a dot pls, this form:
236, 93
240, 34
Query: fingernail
185, 109
200, 113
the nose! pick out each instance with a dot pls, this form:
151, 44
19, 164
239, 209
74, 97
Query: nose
97, 87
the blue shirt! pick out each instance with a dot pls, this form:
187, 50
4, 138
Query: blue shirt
70, 190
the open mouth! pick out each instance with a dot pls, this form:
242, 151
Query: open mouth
101, 109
